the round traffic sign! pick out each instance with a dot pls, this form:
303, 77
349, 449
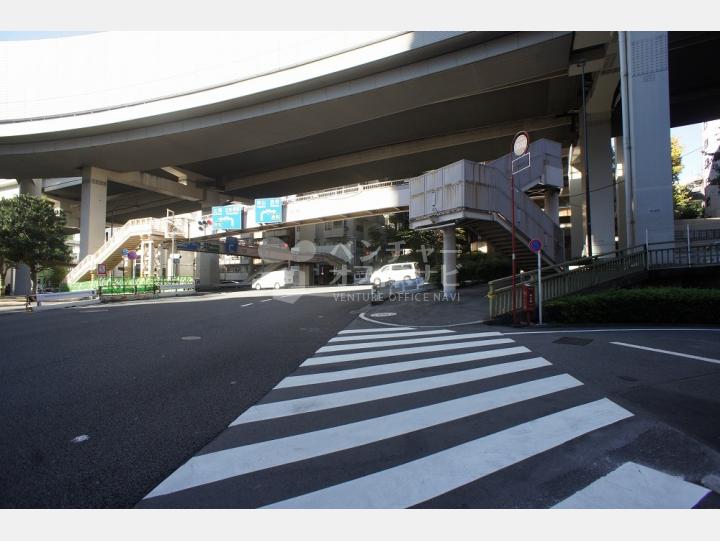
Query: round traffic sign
535, 245
520, 143
132, 254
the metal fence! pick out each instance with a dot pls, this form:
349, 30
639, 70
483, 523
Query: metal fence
580, 274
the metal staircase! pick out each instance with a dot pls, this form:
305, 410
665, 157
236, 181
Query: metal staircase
129, 236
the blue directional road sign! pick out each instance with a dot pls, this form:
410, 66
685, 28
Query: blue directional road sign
227, 217
125, 252
268, 211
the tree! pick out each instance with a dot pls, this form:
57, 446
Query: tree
684, 206
676, 151
31, 232
5, 262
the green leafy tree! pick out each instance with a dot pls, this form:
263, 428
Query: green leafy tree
684, 206
5, 262
676, 151
31, 232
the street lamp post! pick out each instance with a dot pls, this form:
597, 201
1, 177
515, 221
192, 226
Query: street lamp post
519, 148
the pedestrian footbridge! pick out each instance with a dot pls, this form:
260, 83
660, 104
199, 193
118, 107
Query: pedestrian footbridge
463, 194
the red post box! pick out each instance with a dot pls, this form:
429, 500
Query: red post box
528, 297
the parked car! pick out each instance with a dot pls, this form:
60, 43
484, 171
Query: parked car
396, 272
274, 279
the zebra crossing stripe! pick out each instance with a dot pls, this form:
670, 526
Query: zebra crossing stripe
411, 341
633, 486
420, 480
307, 404
344, 357
382, 336
219, 465
391, 368
360, 331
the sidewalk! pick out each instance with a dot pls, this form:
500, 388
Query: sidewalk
429, 308
12, 303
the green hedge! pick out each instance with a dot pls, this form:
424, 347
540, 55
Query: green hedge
483, 267
642, 305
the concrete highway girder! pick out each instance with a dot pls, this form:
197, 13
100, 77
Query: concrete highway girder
406, 150
507, 60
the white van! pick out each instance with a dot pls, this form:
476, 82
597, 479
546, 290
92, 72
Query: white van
275, 279
395, 273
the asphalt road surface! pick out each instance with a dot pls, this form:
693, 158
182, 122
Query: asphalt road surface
141, 385
248, 400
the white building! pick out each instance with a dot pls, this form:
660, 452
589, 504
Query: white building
711, 167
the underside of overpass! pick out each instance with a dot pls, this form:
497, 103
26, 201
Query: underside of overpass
441, 97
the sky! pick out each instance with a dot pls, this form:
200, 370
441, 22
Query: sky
691, 140
23, 36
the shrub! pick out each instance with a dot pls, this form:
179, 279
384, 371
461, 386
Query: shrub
483, 267
644, 305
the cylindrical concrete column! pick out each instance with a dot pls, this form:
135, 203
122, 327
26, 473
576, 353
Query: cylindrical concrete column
552, 204
93, 204
449, 268
22, 285
620, 193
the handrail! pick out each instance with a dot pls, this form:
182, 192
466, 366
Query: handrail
343, 190
576, 275
134, 227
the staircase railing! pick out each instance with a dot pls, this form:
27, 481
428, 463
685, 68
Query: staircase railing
136, 227
568, 277
579, 274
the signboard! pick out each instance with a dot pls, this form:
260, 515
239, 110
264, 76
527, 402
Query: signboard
521, 163
231, 245
132, 254
227, 217
125, 252
268, 211
535, 245
101, 270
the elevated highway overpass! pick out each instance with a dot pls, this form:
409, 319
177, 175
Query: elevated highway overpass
209, 118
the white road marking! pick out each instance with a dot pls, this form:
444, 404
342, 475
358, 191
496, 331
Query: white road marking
80, 439
266, 300
211, 467
381, 336
475, 322
632, 486
411, 341
190, 338
564, 331
344, 357
307, 404
677, 354
420, 480
394, 329
244, 305
380, 369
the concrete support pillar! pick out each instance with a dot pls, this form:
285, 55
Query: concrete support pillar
600, 186
577, 212
551, 204
620, 193
30, 186
305, 274
449, 267
93, 204
646, 136
207, 266
22, 283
